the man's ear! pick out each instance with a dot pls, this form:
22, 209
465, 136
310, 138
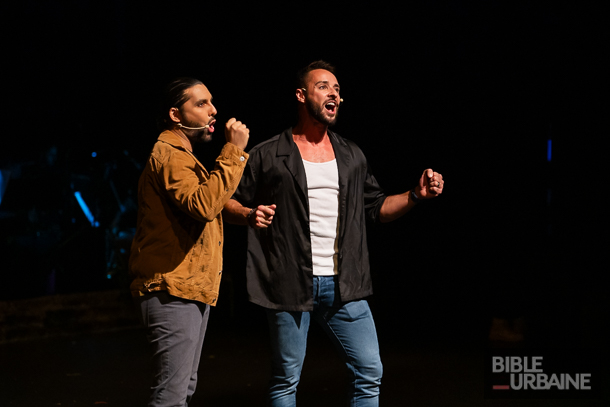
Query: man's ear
300, 94
174, 115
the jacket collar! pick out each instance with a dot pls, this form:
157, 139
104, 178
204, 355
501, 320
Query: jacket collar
294, 164
286, 144
172, 139
175, 141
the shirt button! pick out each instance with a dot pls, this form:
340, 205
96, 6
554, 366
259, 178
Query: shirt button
219, 243
242, 158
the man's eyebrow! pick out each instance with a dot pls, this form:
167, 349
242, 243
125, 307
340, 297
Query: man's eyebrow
203, 101
326, 82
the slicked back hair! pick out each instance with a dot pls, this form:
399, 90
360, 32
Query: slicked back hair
175, 95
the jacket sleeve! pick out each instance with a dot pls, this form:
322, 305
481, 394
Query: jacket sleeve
373, 196
246, 191
196, 194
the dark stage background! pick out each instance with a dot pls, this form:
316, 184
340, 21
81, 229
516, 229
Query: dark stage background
473, 90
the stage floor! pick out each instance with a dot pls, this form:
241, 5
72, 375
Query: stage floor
112, 369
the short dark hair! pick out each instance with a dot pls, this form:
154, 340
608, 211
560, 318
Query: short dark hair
174, 95
302, 73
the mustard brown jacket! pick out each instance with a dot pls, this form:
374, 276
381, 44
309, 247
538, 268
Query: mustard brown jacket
179, 237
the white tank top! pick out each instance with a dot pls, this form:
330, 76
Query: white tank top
323, 191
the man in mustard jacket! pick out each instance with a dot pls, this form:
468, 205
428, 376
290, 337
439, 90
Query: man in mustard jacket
176, 254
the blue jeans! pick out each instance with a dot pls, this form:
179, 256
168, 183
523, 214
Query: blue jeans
351, 328
175, 328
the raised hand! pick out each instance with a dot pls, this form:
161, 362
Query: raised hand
237, 133
430, 185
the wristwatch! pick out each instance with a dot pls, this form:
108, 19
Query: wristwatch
250, 214
414, 196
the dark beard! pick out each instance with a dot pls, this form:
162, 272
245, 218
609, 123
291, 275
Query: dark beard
317, 112
197, 136
202, 136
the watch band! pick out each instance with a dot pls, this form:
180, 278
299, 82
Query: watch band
414, 196
249, 215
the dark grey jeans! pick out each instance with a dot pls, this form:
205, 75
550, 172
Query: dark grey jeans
175, 328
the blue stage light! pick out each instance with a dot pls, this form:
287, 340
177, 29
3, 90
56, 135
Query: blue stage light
549, 145
86, 209
3, 183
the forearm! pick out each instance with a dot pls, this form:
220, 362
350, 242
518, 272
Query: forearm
195, 194
395, 206
235, 213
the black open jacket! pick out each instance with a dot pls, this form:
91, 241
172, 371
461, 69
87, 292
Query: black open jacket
279, 270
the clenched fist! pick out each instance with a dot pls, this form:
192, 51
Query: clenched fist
262, 216
430, 184
237, 133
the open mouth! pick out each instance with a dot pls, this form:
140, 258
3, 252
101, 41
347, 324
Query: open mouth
211, 126
331, 106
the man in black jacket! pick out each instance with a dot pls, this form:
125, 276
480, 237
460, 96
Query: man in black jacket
306, 193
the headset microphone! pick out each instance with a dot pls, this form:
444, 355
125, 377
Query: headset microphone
341, 100
193, 128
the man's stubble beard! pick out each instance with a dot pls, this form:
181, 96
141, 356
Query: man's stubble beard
204, 137
317, 112
198, 136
